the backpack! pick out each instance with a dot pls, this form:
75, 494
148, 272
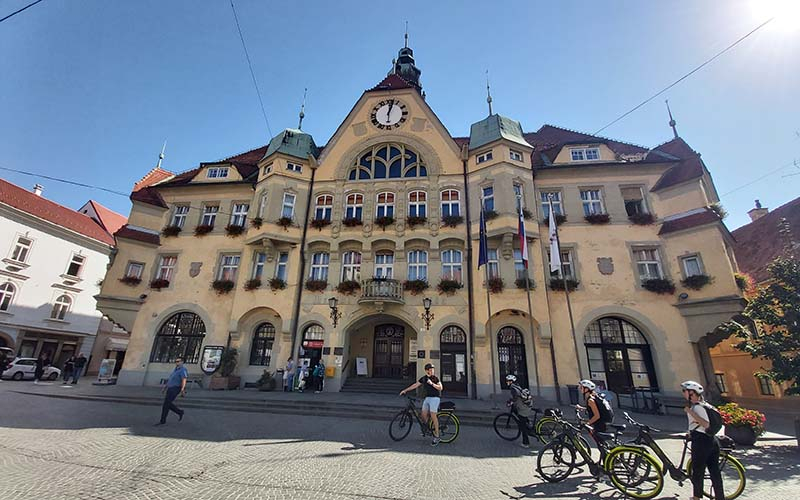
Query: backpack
526, 397
605, 409
714, 419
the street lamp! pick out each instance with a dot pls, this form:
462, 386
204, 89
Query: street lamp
335, 314
427, 315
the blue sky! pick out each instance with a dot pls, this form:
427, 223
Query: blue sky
90, 89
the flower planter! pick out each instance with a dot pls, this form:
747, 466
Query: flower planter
277, 284
234, 230
415, 287
743, 281
527, 214
316, 285
560, 219
696, 282
203, 229
383, 222
741, 434
352, 222
158, 284
449, 287
170, 231
252, 284
257, 222
413, 220
223, 286
348, 287
597, 218
131, 280
659, 286
558, 284
525, 283
284, 222
320, 223
495, 285
452, 220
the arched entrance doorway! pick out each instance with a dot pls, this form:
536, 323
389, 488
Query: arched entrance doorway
453, 351
511, 354
619, 356
388, 356
311, 347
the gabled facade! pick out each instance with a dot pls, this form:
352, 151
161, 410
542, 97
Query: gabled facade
386, 215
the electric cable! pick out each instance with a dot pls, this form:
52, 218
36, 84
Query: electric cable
20, 10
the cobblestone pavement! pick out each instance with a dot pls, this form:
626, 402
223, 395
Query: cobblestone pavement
70, 449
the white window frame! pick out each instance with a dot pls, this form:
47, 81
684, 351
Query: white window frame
61, 307
648, 262
239, 214
268, 169
320, 262
519, 196
134, 269
584, 154
684, 265
384, 208
487, 198
384, 265
567, 264
418, 265
484, 157
259, 259
294, 167
287, 207
519, 265
76, 259
644, 209
179, 215
217, 173
354, 206
21, 248
417, 207
452, 264
592, 201
515, 155
228, 268
209, 217
450, 204
323, 209
7, 292
166, 267
558, 208
282, 266
493, 262
262, 205
351, 265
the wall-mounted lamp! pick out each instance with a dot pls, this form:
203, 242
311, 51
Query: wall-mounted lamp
427, 315
335, 314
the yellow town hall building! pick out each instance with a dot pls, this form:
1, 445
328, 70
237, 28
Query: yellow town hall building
249, 251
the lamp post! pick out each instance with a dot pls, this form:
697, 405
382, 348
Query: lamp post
335, 314
427, 315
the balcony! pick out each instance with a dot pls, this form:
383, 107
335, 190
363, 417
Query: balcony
381, 290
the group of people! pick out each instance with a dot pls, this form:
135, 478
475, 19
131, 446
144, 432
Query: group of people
304, 377
73, 368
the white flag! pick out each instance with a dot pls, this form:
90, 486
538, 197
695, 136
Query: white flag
555, 252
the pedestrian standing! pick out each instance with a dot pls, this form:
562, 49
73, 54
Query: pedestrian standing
68, 368
521, 403
288, 375
705, 447
77, 371
176, 384
3, 361
42, 362
320, 378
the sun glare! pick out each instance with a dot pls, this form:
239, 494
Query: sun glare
785, 12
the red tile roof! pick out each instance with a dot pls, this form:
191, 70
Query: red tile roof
150, 196
245, 163
549, 136
707, 216
26, 201
759, 243
109, 219
392, 82
154, 176
134, 234
678, 148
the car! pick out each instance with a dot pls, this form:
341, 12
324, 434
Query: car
24, 368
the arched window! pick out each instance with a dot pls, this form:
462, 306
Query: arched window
324, 207
181, 336
385, 205
61, 307
417, 204
354, 206
351, 266
619, 356
453, 356
453, 335
451, 203
7, 291
511, 354
388, 161
263, 338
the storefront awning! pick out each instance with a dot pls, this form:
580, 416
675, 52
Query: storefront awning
113, 344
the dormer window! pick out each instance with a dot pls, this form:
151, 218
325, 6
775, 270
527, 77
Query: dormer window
515, 155
484, 157
294, 167
217, 172
268, 169
585, 154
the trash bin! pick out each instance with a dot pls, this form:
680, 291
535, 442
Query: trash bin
278, 377
573, 394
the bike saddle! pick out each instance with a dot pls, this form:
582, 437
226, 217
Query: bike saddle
606, 435
447, 406
617, 427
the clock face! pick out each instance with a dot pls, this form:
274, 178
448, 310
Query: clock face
389, 114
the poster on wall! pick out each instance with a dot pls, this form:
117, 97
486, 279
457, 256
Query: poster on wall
209, 362
361, 366
412, 350
106, 370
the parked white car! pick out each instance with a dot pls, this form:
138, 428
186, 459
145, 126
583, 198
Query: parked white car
25, 368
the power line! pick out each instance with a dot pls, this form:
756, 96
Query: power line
65, 181
687, 75
760, 178
250, 65
20, 10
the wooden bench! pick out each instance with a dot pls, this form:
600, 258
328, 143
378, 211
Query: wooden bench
191, 379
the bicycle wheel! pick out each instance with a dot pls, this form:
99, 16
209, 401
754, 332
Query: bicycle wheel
555, 461
505, 425
448, 427
547, 428
401, 425
733, 477
583, 443
634, 472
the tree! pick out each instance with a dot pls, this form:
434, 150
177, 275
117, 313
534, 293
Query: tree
775, 308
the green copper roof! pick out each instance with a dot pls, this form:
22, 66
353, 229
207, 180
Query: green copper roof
292, 142
493, 128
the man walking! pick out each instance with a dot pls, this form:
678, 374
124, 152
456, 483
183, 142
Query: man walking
176, 384
433, 395
77, 370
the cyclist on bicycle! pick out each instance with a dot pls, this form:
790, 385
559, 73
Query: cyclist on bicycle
433, 394
522, 403
705, 448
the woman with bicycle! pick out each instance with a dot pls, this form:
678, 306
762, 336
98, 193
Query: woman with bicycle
705, 448
522, 403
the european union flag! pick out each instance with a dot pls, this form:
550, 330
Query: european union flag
483, 251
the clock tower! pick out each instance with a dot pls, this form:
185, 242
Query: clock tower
405, 68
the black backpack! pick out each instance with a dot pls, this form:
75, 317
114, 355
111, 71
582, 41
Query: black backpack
714, 419
605, 409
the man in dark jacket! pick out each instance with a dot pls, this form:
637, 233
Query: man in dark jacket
77, 371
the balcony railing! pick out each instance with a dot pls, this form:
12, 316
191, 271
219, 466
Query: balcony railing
381, 290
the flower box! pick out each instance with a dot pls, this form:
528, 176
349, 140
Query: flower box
131, 280
171, 231
449, 287
277, 284
352, 221
558, 284
597, 218
697, 281
202, 229
490, 214
527, 214
384, 221
495, 285
234, 229
415, 287
158, 284
659, 285
642, 219
316, 285
560, 219
348, 287
452, 220
320, 223
742, 425
257, 222
415, 220
223, 286
743, 281
284, 222
252, 284
525, 283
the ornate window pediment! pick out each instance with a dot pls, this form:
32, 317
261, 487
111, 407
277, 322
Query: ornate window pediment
388, 161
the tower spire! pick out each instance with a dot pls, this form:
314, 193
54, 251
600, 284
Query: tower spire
161, 155
672, 121
488, 93
302, 110
406, 36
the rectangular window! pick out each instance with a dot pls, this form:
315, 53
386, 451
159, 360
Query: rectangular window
515, 155
592, 154
75, 265
634, 200
592, 202
451, 203
417, 204
384, 265
418, 265
720, 380
324, 208
294, 167
217, 172
519, 265
765, 386
288, 205
584, 154
691, 266
209, 215
268, 169
519, 197
354, 206
262, 205
566, 265
134, 270
487, 198
179, 215
483, 157
239, 215
385, 206
319, 266
258, 264
166, 267
451, 265
548, 198
493, 263
21, 249
281, 269
351, 266
648, 263
228, 267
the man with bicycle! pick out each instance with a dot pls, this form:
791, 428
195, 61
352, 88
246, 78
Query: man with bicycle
521, 402
432, 388
705, 447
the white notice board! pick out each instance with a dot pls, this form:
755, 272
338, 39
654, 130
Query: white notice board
361, 366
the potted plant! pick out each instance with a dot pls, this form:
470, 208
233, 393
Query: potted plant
597, 218
223, 286
697, 281
416, 220
256, 222
527, 214
495, 285
159, 283
252, 284
171, 230
560, 219
415, 287
659, 285
490, 214
452, 220
448, 286
316, 285
202, 229
642, 219
352, 221
718, 209
742, 425
266, 382
743, 281
558, 284
383, 222
525, 283
225, 379
284, 222
320, 223
234, 230
276, 284
348, 287
131, 280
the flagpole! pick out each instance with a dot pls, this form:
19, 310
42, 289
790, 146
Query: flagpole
530, 307
484, 237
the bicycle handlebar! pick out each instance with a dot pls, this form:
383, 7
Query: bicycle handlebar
637, 424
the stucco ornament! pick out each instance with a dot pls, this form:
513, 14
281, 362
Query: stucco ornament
194, 269
605, 265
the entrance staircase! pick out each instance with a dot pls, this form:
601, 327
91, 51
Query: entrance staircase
375, 385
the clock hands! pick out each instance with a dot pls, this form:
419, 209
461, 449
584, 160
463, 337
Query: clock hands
389, 112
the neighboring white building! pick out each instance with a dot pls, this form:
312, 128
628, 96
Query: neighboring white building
52, 262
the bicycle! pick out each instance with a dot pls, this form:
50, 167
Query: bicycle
733, 472
506, 425
449, 425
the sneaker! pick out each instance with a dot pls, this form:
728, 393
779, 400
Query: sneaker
525, 445
180, 417
159, 424
435, 441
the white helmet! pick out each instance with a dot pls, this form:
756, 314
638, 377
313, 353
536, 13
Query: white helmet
588, 384
511, 378
691, 385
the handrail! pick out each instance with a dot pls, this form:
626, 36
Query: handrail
379, 288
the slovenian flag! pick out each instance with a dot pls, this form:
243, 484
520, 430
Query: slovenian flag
523, 238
